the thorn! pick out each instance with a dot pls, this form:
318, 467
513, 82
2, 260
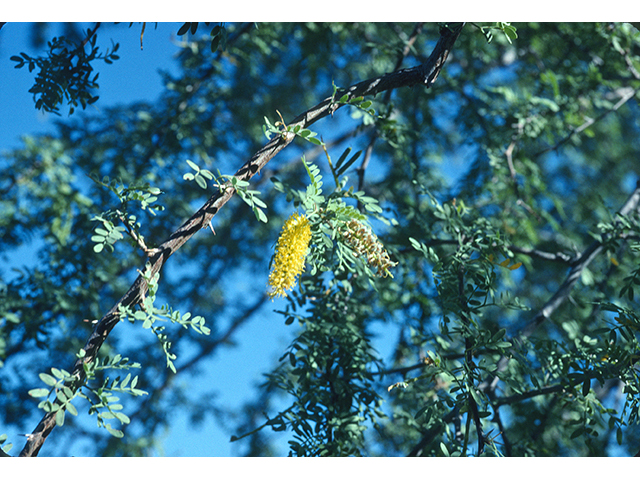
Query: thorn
211, 226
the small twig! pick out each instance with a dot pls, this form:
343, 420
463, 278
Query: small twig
526, 395
367, 157
581, 262
466, 435
90, 33
281, 122
206, 350
512, 171
534, 252
588, 122
509, 154
387, 97
144, 24
138, 239
468, 344
505, 441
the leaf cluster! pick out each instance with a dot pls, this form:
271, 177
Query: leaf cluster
241, 187
218, 34
101, 399
506, 28
280, 128
149, 314
110, 233
65, 73
325, 371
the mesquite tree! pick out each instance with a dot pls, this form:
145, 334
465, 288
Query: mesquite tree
471, 190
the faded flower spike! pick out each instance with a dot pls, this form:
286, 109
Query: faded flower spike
291, 251
365, 243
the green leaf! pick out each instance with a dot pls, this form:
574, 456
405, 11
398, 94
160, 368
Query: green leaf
578, 432
11, 317
126, 380
510, 32
373, 208
72, 409
340, 170
122, 418
184, 28
257, 202
586, 387
61, 397
444, 449
193, 165
171, 366
48, 379
260, 215
202, 183
421, 411
113, 431
60, 417
39, 392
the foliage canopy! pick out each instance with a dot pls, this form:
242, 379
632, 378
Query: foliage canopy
486, 219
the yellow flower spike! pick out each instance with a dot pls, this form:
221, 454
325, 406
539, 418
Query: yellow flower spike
291, 251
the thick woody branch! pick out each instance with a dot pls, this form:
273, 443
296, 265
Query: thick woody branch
424, 74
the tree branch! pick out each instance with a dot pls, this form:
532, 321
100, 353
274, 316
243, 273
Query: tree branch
578, 267
424, 74
579, 264
559, 297
470, 365
626, 96
387, 96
